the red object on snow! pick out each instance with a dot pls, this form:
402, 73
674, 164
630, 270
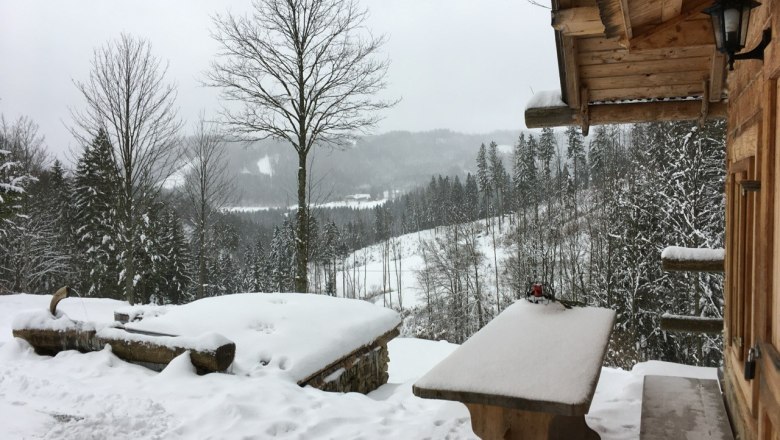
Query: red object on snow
537, 290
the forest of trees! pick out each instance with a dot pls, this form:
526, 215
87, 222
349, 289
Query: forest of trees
588, 217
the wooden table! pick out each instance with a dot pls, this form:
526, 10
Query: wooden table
529, 374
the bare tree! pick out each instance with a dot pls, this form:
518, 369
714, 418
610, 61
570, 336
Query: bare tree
127, 98
24, 144
207, 186
304, 72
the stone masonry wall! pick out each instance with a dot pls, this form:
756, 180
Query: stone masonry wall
360, 373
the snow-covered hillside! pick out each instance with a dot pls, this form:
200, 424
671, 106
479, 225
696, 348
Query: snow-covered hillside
96, 395
364, 274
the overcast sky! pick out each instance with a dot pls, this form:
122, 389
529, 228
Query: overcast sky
465, 65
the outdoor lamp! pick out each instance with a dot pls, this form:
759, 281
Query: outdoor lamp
730, 19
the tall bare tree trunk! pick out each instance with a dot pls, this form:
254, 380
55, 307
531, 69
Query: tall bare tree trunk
302, 239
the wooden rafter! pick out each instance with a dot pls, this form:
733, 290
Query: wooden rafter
569, 53
670, 9
717, 75
616, 19
582, 21
626, 113
649, 37
688, 33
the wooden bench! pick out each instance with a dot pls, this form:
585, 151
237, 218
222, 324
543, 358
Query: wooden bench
683, 408
529, 374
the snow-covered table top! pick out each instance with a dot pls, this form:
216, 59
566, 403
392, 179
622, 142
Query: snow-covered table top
531, 357
288, 335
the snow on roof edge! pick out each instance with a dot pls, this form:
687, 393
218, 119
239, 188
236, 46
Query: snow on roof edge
546, 99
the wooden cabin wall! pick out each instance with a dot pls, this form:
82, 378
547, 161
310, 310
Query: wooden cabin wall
753, 248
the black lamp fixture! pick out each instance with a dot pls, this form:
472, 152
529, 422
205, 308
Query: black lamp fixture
730, 19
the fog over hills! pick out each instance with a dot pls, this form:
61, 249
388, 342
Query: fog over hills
397, 161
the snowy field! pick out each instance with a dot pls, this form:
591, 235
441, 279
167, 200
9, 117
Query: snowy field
98, 396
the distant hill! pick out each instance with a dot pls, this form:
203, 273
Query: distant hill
396, 161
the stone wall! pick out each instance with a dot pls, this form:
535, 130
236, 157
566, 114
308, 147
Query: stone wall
362, 371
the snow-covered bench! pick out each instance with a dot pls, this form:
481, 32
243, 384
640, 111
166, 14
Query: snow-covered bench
685, 408
529, 374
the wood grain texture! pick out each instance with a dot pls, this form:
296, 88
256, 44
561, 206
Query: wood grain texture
683, 408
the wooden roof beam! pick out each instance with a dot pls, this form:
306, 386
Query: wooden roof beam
571, 67
717, 76
672, 30
582, 21
682, 34
670, 9
626, 113
616, 19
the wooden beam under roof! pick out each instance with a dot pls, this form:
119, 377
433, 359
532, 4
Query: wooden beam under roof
581, 21
616, 19
625, 113
688, 33
649, 37
670, 9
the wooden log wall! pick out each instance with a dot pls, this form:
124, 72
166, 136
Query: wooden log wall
751, 242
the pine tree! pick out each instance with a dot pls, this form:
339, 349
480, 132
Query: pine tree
95, 184
175, 262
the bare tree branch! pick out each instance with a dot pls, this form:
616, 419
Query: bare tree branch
303, 72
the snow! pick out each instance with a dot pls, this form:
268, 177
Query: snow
141, 311
546, 98
264, 166
692, 254
96, 395
42, 319
288, 335
353, 203
500, 359
245, 209
205, 342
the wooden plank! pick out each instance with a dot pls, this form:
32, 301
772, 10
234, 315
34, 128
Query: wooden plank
578, 21
617, 23
571, 68
637, 67
691, 324
654, 80
684, 34
692, 265
670, 9
681, 407
671, 54
625, 113
745, 145
598, 44
497, 423
673, 24
765, 220
743, 423
658, 92
769, 367
717, 76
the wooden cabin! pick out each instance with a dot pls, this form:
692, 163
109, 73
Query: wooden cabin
624, 61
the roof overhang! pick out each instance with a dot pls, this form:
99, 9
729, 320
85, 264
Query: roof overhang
624, 61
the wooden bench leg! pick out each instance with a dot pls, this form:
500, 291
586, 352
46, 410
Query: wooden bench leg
497, 423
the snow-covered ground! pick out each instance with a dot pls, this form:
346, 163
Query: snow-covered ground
364, 266
350, 202
98, 396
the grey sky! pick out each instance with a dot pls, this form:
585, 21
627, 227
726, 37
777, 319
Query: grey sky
466, 65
